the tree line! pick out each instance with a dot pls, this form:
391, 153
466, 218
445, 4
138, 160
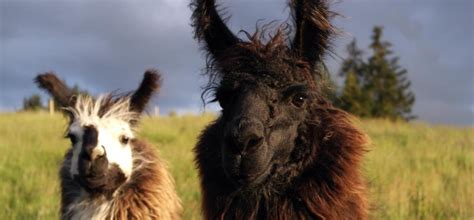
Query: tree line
375, 86
35, 103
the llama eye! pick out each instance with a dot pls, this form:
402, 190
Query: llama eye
223, 98
124, 139
298, 100
222, 103
72, 137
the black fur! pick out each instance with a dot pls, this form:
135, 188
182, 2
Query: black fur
149, 85
210, 27
279, 150
55, 87
313, 29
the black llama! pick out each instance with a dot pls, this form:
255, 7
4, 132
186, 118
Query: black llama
279, 150
108, 173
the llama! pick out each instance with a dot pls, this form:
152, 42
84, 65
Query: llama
279, 149
108, 173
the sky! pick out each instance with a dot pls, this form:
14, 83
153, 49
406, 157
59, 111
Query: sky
106, 45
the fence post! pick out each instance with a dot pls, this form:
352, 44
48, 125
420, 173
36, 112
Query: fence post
51, 106
156, 112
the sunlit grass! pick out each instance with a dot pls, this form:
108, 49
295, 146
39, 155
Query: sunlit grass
414, 171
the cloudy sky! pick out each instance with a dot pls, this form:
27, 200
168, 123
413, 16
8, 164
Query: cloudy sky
106, 45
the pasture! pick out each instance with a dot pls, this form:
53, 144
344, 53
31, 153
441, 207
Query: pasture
414, 170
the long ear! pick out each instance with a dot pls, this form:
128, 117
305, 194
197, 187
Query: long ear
313, 29
210, 27
149, 85
56, 88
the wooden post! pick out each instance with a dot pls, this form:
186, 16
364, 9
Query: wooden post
51, 106
156, 113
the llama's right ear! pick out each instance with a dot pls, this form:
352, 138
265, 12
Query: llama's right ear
149, 85
210, 27
56, 88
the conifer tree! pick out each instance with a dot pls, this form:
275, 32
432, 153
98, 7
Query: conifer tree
386, 84
378, 87
32, 103
352, 98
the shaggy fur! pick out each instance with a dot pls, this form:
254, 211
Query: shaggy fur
302, 158
147, 193
151, 82
321, 181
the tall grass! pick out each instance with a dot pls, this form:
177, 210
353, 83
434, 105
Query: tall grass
414, 171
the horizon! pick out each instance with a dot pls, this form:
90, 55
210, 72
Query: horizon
103, 46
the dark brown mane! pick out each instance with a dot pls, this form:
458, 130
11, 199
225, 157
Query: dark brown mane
320, 182
260, 47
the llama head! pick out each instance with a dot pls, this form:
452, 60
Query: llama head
101, 131
267, 88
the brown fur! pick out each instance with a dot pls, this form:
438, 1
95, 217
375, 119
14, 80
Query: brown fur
149, 194
320, 178
323, 181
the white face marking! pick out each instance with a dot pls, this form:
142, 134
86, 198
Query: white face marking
111, 127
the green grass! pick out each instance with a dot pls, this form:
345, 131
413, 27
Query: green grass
414, 171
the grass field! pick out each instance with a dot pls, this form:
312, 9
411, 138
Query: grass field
415, 171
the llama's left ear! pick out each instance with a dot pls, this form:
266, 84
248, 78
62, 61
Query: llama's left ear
313, 29
149, 85
56, 88
211, 28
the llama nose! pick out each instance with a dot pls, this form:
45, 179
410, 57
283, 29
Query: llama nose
90, 142
248, 136
97, 152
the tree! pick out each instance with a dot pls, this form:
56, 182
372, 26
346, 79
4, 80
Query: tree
378, 87
353, 98
32, 103
329, 87
78, 91
387, 83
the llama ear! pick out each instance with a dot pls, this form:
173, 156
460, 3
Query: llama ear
211, 28
313, 29
56, 88
149, 85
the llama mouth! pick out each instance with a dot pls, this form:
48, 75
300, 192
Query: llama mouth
106, 182
244, 177
252, 179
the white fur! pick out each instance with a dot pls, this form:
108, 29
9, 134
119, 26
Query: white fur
111, 127
84, 210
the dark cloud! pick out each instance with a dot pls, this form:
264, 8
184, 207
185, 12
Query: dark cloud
100, 45
106, 45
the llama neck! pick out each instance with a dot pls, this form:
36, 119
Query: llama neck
86, 207
261, 206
